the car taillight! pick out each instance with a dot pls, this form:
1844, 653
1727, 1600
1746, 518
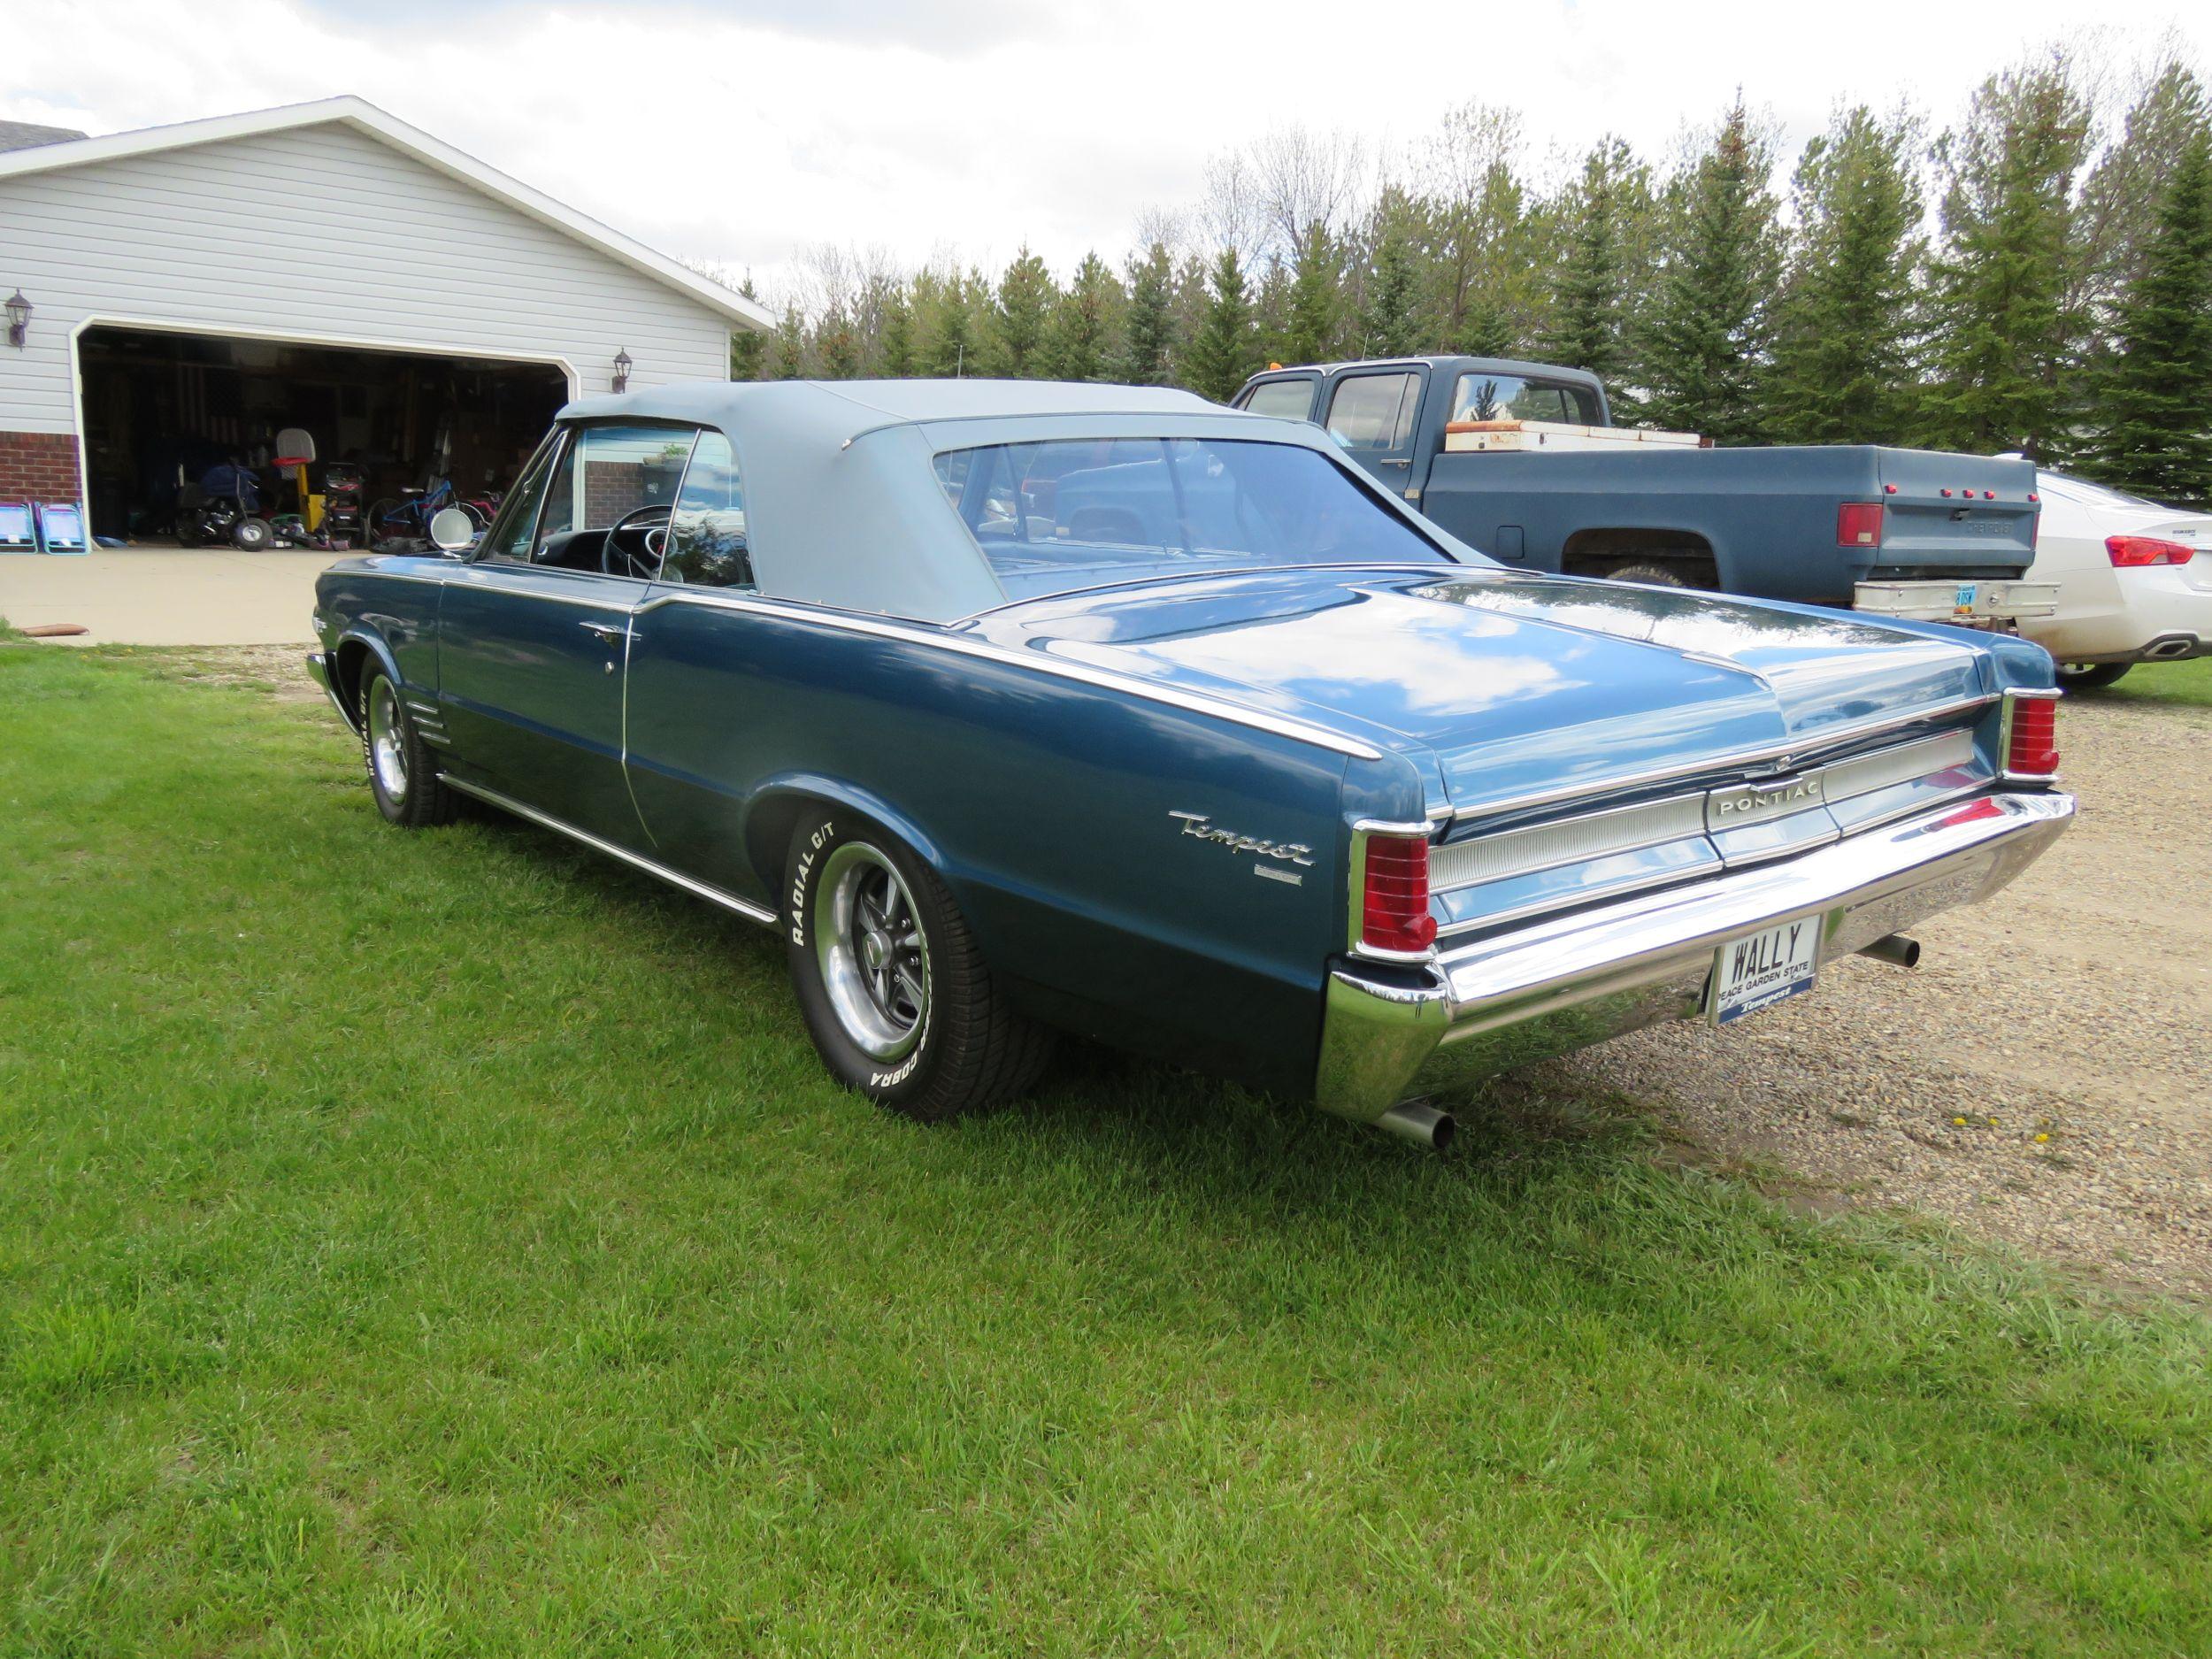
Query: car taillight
2130, 552
1394, 895
2030, 735
1859, 523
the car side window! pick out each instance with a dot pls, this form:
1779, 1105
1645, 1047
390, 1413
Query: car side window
1374, 412
606, 475
1287, 400
706, 533
508, 540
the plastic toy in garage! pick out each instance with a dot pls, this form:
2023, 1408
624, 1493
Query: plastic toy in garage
224, 506
343, 483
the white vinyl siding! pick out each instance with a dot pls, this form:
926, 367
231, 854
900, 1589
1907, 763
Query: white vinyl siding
322, 233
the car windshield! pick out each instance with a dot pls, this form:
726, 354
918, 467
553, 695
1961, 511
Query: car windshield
1486, 395
1056, 516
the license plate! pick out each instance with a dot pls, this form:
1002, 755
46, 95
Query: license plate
1751, 975
1962, 602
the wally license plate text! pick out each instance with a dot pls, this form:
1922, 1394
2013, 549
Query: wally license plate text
1751, 975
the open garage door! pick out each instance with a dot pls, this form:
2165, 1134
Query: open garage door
164, 410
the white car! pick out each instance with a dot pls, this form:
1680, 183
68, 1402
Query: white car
2134, 582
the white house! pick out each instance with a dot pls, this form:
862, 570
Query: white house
188, 291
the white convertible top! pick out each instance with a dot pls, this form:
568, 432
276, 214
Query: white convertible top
842, 505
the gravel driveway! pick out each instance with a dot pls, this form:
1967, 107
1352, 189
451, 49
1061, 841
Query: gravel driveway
2068, 1022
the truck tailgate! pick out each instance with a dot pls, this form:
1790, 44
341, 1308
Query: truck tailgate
1952, 515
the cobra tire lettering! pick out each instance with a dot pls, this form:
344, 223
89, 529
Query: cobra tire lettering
892, 1079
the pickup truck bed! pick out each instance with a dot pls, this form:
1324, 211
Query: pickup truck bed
1904, 532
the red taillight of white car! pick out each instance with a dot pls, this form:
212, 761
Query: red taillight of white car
1395, 895
2030, 735
1859, 523
2133, 552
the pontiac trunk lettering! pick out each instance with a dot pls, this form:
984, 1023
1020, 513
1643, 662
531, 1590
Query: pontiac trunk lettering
1754, 802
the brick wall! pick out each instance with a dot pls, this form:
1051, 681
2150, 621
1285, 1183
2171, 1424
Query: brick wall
38, 466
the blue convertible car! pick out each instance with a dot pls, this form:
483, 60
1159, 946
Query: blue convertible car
1023, 707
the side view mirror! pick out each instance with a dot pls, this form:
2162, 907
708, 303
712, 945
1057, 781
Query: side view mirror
451, 530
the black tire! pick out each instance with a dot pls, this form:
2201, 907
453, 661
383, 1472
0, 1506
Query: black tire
404, 778
965, 1048
252, 535
1648, 573
2091, 676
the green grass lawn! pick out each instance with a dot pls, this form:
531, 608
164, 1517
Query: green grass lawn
2189, 684
447, 1244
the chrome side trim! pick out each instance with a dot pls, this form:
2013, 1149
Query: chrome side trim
1468, 864
1106, 678
620, 607
1782, 753
745, 908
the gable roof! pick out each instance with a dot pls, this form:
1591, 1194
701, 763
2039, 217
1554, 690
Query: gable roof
75, 150
24, 135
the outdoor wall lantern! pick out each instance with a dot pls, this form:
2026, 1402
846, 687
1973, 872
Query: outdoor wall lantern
622, 365
19, 318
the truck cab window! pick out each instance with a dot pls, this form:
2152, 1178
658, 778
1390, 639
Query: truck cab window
1374, 412
1287, 400
1483, 395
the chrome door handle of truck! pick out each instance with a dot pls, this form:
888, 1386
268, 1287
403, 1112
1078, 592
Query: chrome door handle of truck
606, 631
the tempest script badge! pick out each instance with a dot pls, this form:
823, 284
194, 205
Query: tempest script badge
1754, 802
1202, 825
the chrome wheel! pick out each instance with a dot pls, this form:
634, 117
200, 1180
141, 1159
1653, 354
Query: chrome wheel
388, 751
874, 960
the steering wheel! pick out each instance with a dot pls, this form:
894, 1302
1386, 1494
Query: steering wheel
644, 564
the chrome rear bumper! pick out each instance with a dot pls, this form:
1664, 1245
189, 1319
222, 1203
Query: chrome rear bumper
1533, 992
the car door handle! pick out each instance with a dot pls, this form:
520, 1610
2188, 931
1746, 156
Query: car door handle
606, 631
1399, 461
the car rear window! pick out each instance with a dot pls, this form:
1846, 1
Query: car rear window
1055, 515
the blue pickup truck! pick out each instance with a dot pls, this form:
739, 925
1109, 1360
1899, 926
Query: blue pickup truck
1522, 460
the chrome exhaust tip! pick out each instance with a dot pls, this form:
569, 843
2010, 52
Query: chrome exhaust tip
2171, 647
1894, 948
1422, 1124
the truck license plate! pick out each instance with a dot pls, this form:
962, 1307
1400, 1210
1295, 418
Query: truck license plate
1751, 975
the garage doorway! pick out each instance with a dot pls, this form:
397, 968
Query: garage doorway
162, 409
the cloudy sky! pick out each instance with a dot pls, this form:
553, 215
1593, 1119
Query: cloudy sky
743, 132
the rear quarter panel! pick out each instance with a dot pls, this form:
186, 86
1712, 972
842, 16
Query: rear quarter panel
1046, 805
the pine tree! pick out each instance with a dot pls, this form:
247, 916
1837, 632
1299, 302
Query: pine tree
1604, 217
1705, 344
2155, 439
837, 346
1224, 351
1316, 298
1389, 324
944, 324
1078, 341
2006, 334
1151, 334
1843, 353
1018, 314
748, 346
790, 344
895, 337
